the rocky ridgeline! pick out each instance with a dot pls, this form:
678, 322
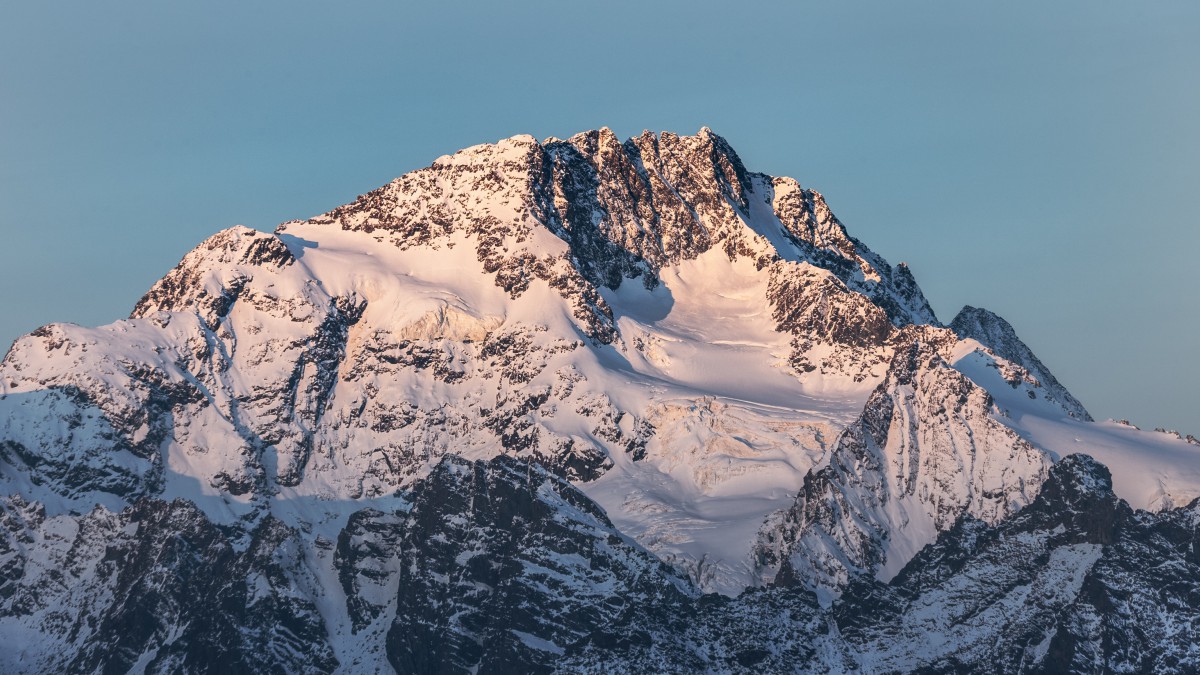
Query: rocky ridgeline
998, 336
625, 210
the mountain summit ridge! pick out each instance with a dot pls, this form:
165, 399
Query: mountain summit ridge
626, 209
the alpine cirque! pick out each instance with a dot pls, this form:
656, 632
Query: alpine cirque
575, 405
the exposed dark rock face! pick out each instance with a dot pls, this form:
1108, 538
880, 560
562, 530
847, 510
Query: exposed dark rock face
818, 309
367, 560
925, 451
157, 587
496, 565
763, 630
502, 567
505, 568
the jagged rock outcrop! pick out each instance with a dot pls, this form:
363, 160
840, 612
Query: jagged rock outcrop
835, 329
625, 210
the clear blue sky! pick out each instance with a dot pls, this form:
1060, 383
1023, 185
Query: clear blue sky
1039, 159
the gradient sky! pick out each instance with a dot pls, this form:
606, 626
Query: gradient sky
1038, 159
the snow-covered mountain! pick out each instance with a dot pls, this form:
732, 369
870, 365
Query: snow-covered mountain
529, 407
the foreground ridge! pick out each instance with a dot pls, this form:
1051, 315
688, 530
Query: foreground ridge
500, 565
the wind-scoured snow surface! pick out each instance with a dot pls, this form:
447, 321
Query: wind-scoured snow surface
708, 383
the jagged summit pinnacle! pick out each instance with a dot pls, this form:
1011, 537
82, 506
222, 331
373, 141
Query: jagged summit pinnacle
625, 209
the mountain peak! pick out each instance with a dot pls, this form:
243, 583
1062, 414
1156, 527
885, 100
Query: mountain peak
998, 335
533, 403
625, 210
